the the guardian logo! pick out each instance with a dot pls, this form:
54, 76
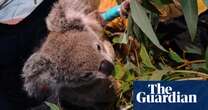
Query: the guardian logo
164, 94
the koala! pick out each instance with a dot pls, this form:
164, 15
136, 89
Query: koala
73, 66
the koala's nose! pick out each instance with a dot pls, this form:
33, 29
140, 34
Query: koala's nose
106, 67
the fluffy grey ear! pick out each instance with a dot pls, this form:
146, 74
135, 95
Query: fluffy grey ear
38, 74
60, 20
56, 19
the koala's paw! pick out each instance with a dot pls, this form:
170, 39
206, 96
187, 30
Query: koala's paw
38, 74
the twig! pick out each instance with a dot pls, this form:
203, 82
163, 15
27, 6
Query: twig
127, 107
189, 71
198, 78
186, 63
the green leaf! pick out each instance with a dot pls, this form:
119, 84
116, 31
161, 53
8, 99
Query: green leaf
125, 86
52, 106
119, 71
129, 76
193, 49
130, 26
199, 67
121, 39
145, 57
158, 74
141, 19
174, 56
149, 6
162, 2
137, 32
190, 10
206, 57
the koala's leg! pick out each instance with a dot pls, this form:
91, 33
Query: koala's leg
38, 74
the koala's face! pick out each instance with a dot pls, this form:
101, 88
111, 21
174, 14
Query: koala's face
74, 65
78, 52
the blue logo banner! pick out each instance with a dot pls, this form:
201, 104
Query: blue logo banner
170, 95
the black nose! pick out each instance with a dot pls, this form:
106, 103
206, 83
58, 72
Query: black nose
106, 67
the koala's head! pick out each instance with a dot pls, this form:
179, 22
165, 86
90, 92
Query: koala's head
78, 52
74, 64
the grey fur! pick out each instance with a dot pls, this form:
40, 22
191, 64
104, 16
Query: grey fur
70, 59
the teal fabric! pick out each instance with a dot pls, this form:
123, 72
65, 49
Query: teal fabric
17, 9
206, 1
111, 13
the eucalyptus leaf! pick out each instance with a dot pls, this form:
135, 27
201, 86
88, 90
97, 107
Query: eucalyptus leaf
129, 66
190, 10
206, 57
141, 19
193, 49
119, 71
52, 106
162, 2
150, 6
129, 76
158, 74
174, 56
198, 67
145, 57
125, 86
130, 26
123, 39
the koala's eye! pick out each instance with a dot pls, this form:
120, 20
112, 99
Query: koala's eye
98, 47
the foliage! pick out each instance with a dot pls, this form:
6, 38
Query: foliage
190, 11
140, 50
52, 106
141, 54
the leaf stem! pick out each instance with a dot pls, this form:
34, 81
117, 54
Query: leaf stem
189, 71
186, 63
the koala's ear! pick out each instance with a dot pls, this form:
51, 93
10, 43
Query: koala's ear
38, 74
61, 19
56, 19
94, 4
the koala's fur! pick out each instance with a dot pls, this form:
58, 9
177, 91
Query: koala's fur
67, 66
73, 15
